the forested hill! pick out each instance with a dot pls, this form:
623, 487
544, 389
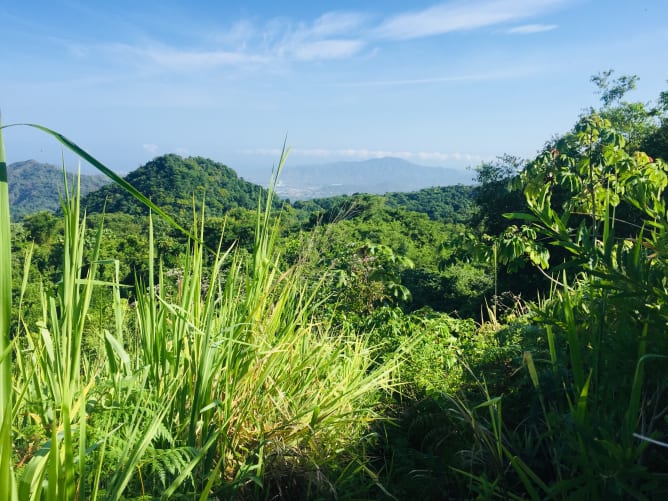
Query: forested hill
171, 182
451, 204
35, 186
448, 204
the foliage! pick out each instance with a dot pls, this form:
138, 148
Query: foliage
341, 233
604, 324
612, 91
656, 143
34, 187
223, 381
449, 204
573, 403
447, 357
495, 195
353, 347
635, 121
176, 184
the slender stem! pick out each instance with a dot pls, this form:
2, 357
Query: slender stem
592, 191
496, 279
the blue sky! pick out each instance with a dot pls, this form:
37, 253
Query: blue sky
439, 83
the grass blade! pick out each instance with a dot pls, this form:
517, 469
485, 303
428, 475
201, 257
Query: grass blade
6, 472
72, 146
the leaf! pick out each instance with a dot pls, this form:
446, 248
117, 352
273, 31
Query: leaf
114, 347
522, 216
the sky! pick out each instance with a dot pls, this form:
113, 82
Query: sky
452, 83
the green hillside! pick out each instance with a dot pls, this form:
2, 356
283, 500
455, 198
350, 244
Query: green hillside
448, 204
171, 182
34, 187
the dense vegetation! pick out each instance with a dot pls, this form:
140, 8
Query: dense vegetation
34, 187
176, 184
499, 341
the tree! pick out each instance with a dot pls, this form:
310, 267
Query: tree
496, 194
612, 91
41, 226
656, 144
634, 120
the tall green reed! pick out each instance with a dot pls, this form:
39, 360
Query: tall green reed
260, 383
7, 485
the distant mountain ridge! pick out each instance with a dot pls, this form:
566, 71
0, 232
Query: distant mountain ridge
171, 182
374, 176
35, 186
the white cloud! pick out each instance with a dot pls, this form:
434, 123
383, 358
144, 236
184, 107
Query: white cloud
330, 36
237, 35
458, 16
508, 73
337, 23
333, 35
364, 154
150, 148
182, 59
528, 29
327, 49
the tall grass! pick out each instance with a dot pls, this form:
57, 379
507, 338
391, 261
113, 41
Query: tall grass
226, 386
263, 389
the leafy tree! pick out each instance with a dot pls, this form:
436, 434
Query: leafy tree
656, 144
612, 91
495, 193
634, 120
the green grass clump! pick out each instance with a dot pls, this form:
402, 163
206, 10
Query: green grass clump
218, 381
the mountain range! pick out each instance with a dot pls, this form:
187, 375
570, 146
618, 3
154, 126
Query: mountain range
375, 176
173, 181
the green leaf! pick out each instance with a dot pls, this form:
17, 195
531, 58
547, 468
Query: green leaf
522, 216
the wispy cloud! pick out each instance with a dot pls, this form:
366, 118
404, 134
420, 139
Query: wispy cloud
508, 73
458, 16
365, 154
333, 35
150, 148
336, 23
167, 57
528, 29
327, 49
330, 36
